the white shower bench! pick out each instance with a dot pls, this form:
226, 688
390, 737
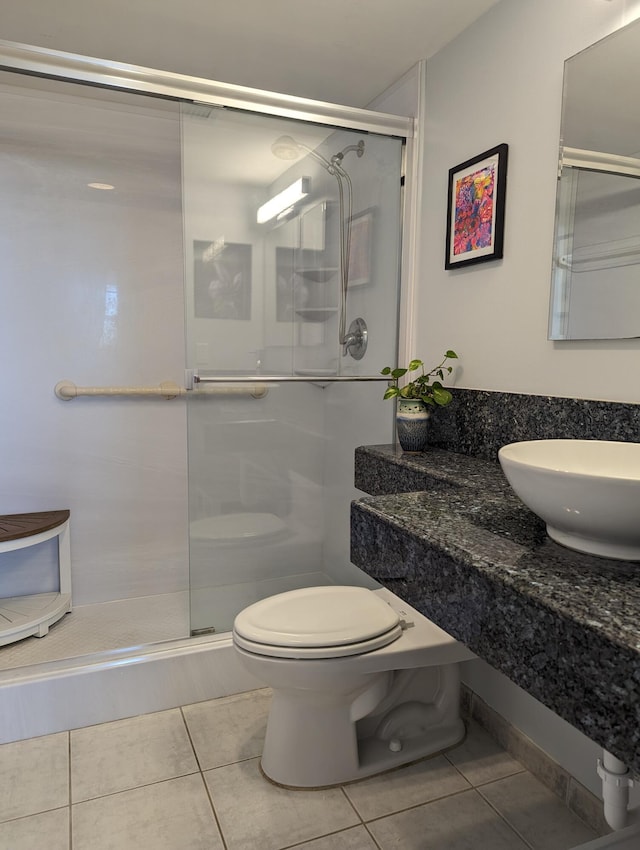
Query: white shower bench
32, 614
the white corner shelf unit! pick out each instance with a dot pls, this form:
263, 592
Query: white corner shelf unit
32, 614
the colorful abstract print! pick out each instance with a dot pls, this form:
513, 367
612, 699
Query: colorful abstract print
473, 220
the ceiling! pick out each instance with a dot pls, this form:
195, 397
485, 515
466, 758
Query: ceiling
340, 51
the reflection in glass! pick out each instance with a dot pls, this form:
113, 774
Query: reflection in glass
595, 285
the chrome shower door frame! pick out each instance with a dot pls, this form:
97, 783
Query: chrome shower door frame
55, 64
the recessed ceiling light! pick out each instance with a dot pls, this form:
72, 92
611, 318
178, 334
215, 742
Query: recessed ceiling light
104, 186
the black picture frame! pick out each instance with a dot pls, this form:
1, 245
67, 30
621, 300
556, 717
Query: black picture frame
476, 198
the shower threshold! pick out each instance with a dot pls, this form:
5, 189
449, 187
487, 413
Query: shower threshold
104, 626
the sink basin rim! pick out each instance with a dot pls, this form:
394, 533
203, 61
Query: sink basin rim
572, 457
586, 491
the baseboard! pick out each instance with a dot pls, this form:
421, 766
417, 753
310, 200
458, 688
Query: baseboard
577, 798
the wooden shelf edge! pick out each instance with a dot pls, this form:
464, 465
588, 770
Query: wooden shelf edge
17, 526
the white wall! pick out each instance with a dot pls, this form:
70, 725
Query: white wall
501, 81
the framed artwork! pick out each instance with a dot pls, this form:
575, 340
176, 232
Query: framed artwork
222, 280
475, 209
360, 250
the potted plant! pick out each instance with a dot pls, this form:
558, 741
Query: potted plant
416, 398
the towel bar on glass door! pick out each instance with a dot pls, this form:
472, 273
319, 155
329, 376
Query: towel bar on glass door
67, 390
310, 378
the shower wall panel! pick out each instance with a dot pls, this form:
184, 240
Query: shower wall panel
92, 292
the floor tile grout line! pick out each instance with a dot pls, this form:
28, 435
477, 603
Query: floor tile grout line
328, 835
471, 789
197, 769
242, 761
459, 772
484, 782
522, 769
371, 836
70, 814
558, 798
504, 818
136, 787
188, 731
35, 814
214, 812
418, 805
352, 804
204, 781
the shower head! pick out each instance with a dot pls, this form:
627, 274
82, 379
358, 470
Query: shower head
285, 147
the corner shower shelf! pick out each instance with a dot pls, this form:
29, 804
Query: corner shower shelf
32, 614
318, 275
317, 314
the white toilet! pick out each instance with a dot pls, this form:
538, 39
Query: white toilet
361, 683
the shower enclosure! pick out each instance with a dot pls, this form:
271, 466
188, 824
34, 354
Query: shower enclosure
269, 473
244, 246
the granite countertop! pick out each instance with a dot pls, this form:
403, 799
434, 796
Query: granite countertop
445, 532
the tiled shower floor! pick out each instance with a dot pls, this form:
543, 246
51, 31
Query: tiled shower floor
104, 626
188, 779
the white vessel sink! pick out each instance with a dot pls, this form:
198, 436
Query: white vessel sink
587, 492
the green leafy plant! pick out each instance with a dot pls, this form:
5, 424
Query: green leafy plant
423, 387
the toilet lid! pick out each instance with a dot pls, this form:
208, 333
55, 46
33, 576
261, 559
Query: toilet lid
325, 621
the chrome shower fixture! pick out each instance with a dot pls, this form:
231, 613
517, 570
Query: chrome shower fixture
287, 148
338, 157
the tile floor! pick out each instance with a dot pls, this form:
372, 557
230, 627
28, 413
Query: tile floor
188, 779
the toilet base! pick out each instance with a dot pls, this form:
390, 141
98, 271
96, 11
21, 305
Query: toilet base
388, 720
376, 758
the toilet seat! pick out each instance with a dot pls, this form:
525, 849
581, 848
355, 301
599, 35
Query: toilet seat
317, 622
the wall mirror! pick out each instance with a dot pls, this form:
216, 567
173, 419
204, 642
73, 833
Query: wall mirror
595, 287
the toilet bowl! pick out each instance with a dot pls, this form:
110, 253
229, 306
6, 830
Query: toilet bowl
361, 683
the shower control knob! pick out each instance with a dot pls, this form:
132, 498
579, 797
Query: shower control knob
355, 342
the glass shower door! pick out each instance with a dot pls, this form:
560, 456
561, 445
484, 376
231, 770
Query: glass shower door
292, 231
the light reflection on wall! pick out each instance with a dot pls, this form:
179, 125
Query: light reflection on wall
110, 323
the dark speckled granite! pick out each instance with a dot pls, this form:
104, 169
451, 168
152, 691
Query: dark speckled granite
467, 553
478, 423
